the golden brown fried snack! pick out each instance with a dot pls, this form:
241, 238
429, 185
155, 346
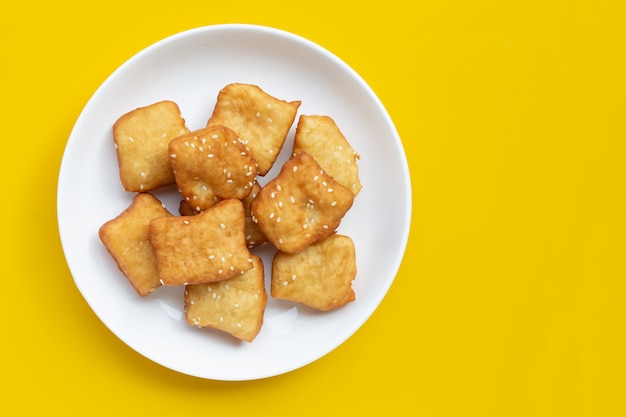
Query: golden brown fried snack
254, 235
320, 276
260, 120
235, 306
210, 165
321, 138
208, 247
302, 205
141, 138
127, 239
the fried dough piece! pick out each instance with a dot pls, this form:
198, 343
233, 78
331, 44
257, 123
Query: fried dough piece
210, 165
259, 119
320, 276
208, 247
302, 205
141, 138
127, 239
321, 138
235, 306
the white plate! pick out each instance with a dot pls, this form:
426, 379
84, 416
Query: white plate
190, 68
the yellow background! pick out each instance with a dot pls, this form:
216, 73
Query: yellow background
511, 300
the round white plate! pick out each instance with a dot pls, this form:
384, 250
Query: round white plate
190, 68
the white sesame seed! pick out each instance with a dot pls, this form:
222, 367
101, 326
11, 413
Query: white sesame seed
315, 178
236, 305
214, 295
325, 226
232, 268
258, 114
285, 283
277, 219
292, 200
330, 190
214, 136
219, 271
295, 168
210, 155
186, 221
222, 226
173, 155
223, 259
273, 194
333, 204
164, 135
279, 188
143, 174
271, 215
293, 277
227, 286
141, 186
238, 324
280, 241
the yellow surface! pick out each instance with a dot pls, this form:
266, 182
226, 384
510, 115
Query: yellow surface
511, 300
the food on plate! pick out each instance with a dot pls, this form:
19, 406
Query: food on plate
301, 205
320, 276
235, 306
210, 165
259, 119
141, 139
225, 213
127, 239
207, 247
320, 137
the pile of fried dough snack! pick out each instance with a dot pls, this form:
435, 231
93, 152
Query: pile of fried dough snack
225, 213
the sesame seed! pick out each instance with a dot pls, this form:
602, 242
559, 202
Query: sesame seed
186, 143
236, 305
324, 183
173, 155
295, 168
200, 148
273, 194
209, 288
186, 221
238, 324
277, 219
210, 155
258, 114
333, 204
227, 286
325, 226
280, 241
203, 141
292, 200
221, 318
214, 295
285, 283
279, 188
232, 268
315, 178
141, 186
280, 204
223, 259
219, 271
330, 190
222, 226
293, 277
214, 136
131, 139
271, 215
143, 174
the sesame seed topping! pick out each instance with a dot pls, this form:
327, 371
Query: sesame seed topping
222, 226
232, 268
315, 178
293, 277
173, 155
271, 215
277, 219
280, 241
219, 271
236, 305
186, 221
273, 194
333, 204
285, 283
131, 139
214, 295
143, 174
295, 168
210, 155
227, 286
214, 136
258, 114
292, 200
238, 324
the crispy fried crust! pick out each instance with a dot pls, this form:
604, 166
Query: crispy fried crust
235, 306
321, 138
320, 276
302, 205
127, 239
208, 247
141, 139
261, 120
210, 165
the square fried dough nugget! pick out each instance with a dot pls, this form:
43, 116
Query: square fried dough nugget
302, 205
204, 248
261, 120
320, 276
210, 165
141, 138
127, 239
321, 138
235, 306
